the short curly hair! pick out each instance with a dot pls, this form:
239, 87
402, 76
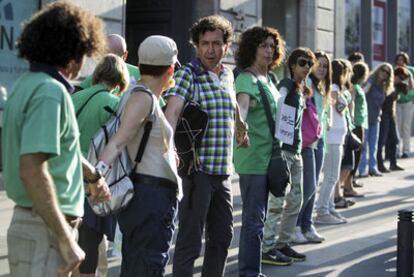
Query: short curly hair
249, 42
211, 23
59, 33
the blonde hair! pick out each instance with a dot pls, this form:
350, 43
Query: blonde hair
387, 85
112, 71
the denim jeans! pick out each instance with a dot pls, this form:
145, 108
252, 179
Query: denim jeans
147, 227
254, 194
312, 164
370, 147
331, 170
287, 214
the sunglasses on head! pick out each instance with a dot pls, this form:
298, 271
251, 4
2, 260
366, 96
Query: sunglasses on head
303, 62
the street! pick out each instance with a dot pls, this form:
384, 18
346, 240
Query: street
365, 246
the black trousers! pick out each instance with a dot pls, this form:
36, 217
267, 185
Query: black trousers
208, 203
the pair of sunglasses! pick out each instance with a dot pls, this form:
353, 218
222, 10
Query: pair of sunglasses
386, 71
303, 62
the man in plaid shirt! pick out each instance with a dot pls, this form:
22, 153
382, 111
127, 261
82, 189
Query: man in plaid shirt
207, 191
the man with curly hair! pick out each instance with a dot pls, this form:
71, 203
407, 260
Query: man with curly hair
207, 190
43, 164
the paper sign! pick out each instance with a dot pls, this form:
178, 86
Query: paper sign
286, 128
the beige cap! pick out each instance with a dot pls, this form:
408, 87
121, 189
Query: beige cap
158, 50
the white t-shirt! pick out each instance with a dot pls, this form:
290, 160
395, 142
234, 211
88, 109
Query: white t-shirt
336, 134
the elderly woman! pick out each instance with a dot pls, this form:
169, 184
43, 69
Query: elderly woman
260, 50
110, 74
379, 85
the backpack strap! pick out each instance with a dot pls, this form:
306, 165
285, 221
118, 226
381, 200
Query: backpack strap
147, 125
87, 101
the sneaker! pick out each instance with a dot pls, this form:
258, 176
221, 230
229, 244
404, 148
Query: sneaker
297, 236
404, 156
327, 219
357, 183
338, 215
313, 236
290, 253
375, 173
275, 257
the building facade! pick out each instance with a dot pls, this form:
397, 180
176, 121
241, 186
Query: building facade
377, 28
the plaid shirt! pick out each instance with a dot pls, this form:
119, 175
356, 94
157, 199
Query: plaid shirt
217, 97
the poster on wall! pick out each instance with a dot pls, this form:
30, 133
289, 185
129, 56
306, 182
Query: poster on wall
378, 27
12, 15
404, 22
353, 26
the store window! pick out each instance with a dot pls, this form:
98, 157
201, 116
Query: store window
352, 26
403, 27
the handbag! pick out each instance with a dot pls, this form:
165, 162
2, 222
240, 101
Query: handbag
117, 178
191, 128
311, 128
278, 172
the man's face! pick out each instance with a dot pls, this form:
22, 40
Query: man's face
211, 49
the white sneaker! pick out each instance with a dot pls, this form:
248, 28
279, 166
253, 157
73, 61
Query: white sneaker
313, 236
297, 236
327, 219
338, 215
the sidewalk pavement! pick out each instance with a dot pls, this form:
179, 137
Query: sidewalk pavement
365, 246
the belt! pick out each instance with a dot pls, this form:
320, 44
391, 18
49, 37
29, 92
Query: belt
142, 179
73, 221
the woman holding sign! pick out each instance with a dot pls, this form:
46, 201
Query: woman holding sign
260, 50
288, 129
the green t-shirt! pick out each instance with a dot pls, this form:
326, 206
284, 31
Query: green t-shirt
405, 98
360, 108
348, 97
255, 159
39, 118
93, 115
133, 74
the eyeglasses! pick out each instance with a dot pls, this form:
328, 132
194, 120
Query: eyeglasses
385, 71
267, 45
303, 62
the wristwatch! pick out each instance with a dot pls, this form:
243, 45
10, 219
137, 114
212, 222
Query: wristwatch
102, 168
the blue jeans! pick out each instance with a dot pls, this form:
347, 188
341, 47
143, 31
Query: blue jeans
254, 194
312, 164
147, 227
370, 146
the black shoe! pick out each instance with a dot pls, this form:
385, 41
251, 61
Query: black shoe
383, 169
290, 253
275, 257
396, 168
404, 156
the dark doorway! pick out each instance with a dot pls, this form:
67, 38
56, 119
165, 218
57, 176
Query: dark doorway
171, 18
